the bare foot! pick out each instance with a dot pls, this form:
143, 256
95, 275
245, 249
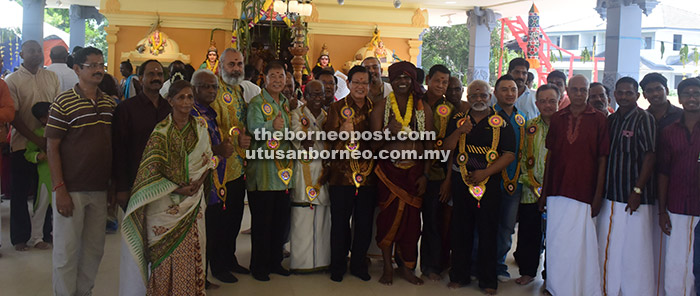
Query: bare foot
42, 246
434, 277
21, 247
408, 275
387, 277
490, 292
524, 280
455, 285
247, 231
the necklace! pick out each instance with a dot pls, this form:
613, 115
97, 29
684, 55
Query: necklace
312, 189
511, 184
443, 111
406, 118
477, 191
531, 131
358, 172
283, 172
212, 68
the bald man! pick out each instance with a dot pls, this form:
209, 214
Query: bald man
573, 193
66, 75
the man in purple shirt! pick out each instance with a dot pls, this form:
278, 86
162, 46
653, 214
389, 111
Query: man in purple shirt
679, 190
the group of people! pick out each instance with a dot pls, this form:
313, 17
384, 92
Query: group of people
599, 190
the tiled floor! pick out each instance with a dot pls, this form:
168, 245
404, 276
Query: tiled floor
29, 273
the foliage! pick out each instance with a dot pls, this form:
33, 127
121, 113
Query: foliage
448, 46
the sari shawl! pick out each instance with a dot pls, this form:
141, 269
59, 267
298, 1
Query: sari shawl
157, 220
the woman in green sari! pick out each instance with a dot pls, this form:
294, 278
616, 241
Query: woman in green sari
163, 227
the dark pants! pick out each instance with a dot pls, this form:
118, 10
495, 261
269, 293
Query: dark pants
696, 259
527, 253
344, 204
431, 240
24, 182
223, 227
468, 216
269, 212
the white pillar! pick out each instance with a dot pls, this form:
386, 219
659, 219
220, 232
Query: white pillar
480, 22
623, 37
77, 27
33, 21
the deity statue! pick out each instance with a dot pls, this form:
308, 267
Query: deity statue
212, 60
323, 62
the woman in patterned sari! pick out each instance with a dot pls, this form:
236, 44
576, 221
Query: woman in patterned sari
163, 227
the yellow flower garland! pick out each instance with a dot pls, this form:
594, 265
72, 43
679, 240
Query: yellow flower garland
406, 119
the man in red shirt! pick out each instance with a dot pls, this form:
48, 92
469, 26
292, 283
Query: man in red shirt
578, 144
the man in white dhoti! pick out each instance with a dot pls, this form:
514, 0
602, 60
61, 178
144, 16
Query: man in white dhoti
679, 190
578, 145
310, 243
625, 223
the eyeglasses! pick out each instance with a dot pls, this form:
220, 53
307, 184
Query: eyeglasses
359, 83
94, 65
207, 86
686, 95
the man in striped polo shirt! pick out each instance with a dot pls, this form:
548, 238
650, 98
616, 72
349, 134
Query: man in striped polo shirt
79, 149
626, 219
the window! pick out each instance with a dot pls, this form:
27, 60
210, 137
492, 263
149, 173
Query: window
677, 42
556, 40
648, 40
569, 42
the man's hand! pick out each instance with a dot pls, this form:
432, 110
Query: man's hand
466, 127
422, 184
542, 203
64, 203
633, 202
225, 149
445, 190
41, 156
347, 125
244, 139
665, 222
187, 190
476, 177
595, 206
278, 123
394, 126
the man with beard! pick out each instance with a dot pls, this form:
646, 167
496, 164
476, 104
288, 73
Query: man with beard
432, 211
484, 145
624, 238
330, 85
525, 102
226, 212
79, 151
134, 120
679, 206
655, 90
599, 97
506, 94
378, 89
573, 192
402, 182
28, 85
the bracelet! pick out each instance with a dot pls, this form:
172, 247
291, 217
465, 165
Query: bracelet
58, 186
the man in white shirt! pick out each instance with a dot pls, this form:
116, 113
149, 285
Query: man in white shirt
66, 76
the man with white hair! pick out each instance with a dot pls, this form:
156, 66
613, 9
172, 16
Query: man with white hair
231, 109
573, 193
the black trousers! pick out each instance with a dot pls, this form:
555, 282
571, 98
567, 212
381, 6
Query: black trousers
431, 240
467, 217
223, 227
344, 204
24, 182
527, 253
269, 211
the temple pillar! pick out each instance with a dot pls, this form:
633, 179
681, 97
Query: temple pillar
480, 22
414, 50
33, 21
112, 57
77, 27
623, 37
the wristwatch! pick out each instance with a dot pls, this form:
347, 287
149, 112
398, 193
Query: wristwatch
637, 190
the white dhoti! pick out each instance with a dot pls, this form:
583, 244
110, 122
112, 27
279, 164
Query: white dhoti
679, 278
572, 249
310, 244
625, 249
659, 240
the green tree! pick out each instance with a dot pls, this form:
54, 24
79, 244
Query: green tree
95, 34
